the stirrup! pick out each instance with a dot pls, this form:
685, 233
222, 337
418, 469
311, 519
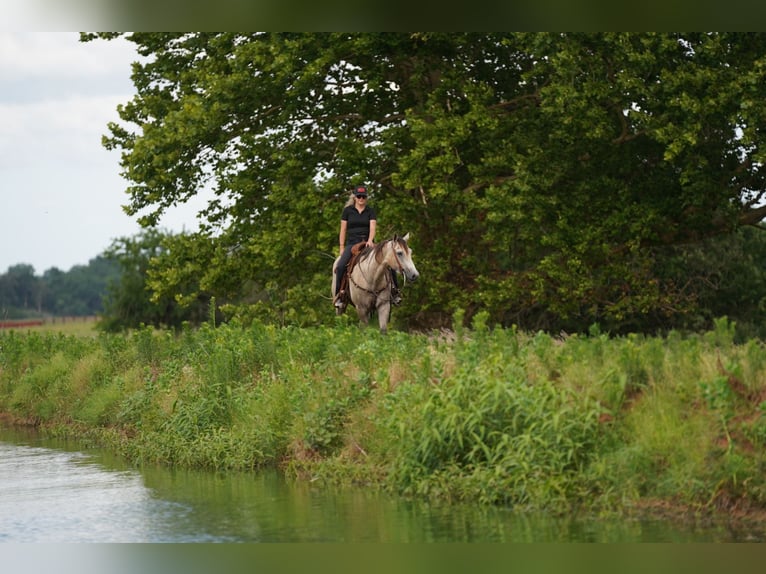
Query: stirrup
396, 296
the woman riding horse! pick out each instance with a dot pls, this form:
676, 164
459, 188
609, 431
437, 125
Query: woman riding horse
358, 223
370, 278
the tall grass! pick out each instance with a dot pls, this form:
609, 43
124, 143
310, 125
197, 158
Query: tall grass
495, 416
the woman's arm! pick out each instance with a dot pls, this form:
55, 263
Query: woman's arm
373, 226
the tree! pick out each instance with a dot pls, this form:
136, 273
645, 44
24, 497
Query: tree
542, 175
79, 291
130, 302
19, 290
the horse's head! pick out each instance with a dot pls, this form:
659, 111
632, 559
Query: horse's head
403, 257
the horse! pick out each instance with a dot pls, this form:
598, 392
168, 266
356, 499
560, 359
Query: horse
370, 281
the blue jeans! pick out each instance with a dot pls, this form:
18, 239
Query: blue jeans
341, 268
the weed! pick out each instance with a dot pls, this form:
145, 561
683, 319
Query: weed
491, 415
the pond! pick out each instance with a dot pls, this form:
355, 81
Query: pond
55, 491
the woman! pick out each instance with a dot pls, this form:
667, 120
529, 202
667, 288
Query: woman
358, 223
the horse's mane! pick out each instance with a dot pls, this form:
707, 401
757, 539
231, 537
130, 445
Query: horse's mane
377, 249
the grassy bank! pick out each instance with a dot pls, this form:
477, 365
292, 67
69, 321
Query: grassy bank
496, 416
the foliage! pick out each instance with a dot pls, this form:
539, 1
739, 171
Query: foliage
19, 288
497, 416
129, 302
724, 276
546, 177
487, 432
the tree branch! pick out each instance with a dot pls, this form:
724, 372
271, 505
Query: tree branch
516, 103
498, 180
753, 216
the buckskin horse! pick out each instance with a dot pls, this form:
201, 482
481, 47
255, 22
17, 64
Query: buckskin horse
370, 281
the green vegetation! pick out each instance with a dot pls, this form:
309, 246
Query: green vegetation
77, 292
128, 303
498, 416
551, 180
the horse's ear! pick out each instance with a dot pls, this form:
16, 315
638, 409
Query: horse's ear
407, 237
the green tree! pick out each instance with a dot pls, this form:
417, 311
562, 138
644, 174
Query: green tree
541, 174
130, 302
720, 276
79, 291
19, 291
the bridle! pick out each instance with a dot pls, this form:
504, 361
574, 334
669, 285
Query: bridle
398, 263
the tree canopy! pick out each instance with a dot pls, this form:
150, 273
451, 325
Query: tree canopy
546, 178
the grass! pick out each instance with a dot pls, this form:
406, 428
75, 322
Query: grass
493, 416
77, 326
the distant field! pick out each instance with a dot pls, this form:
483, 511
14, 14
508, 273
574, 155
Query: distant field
82, 326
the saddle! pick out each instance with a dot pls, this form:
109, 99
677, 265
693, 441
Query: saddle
356, 251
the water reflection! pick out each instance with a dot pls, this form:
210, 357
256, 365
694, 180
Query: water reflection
52, 496
51, 492
266, 508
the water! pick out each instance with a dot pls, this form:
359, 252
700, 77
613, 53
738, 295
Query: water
51, 492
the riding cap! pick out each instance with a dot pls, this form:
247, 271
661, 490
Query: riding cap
360, 191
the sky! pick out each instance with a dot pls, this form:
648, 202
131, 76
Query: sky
61, 192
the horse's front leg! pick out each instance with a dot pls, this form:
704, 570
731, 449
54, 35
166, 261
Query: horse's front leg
364, 314
384, 315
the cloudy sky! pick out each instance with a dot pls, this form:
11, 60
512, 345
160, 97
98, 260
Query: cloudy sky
61, 193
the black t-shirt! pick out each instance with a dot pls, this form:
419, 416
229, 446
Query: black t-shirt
358, 227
